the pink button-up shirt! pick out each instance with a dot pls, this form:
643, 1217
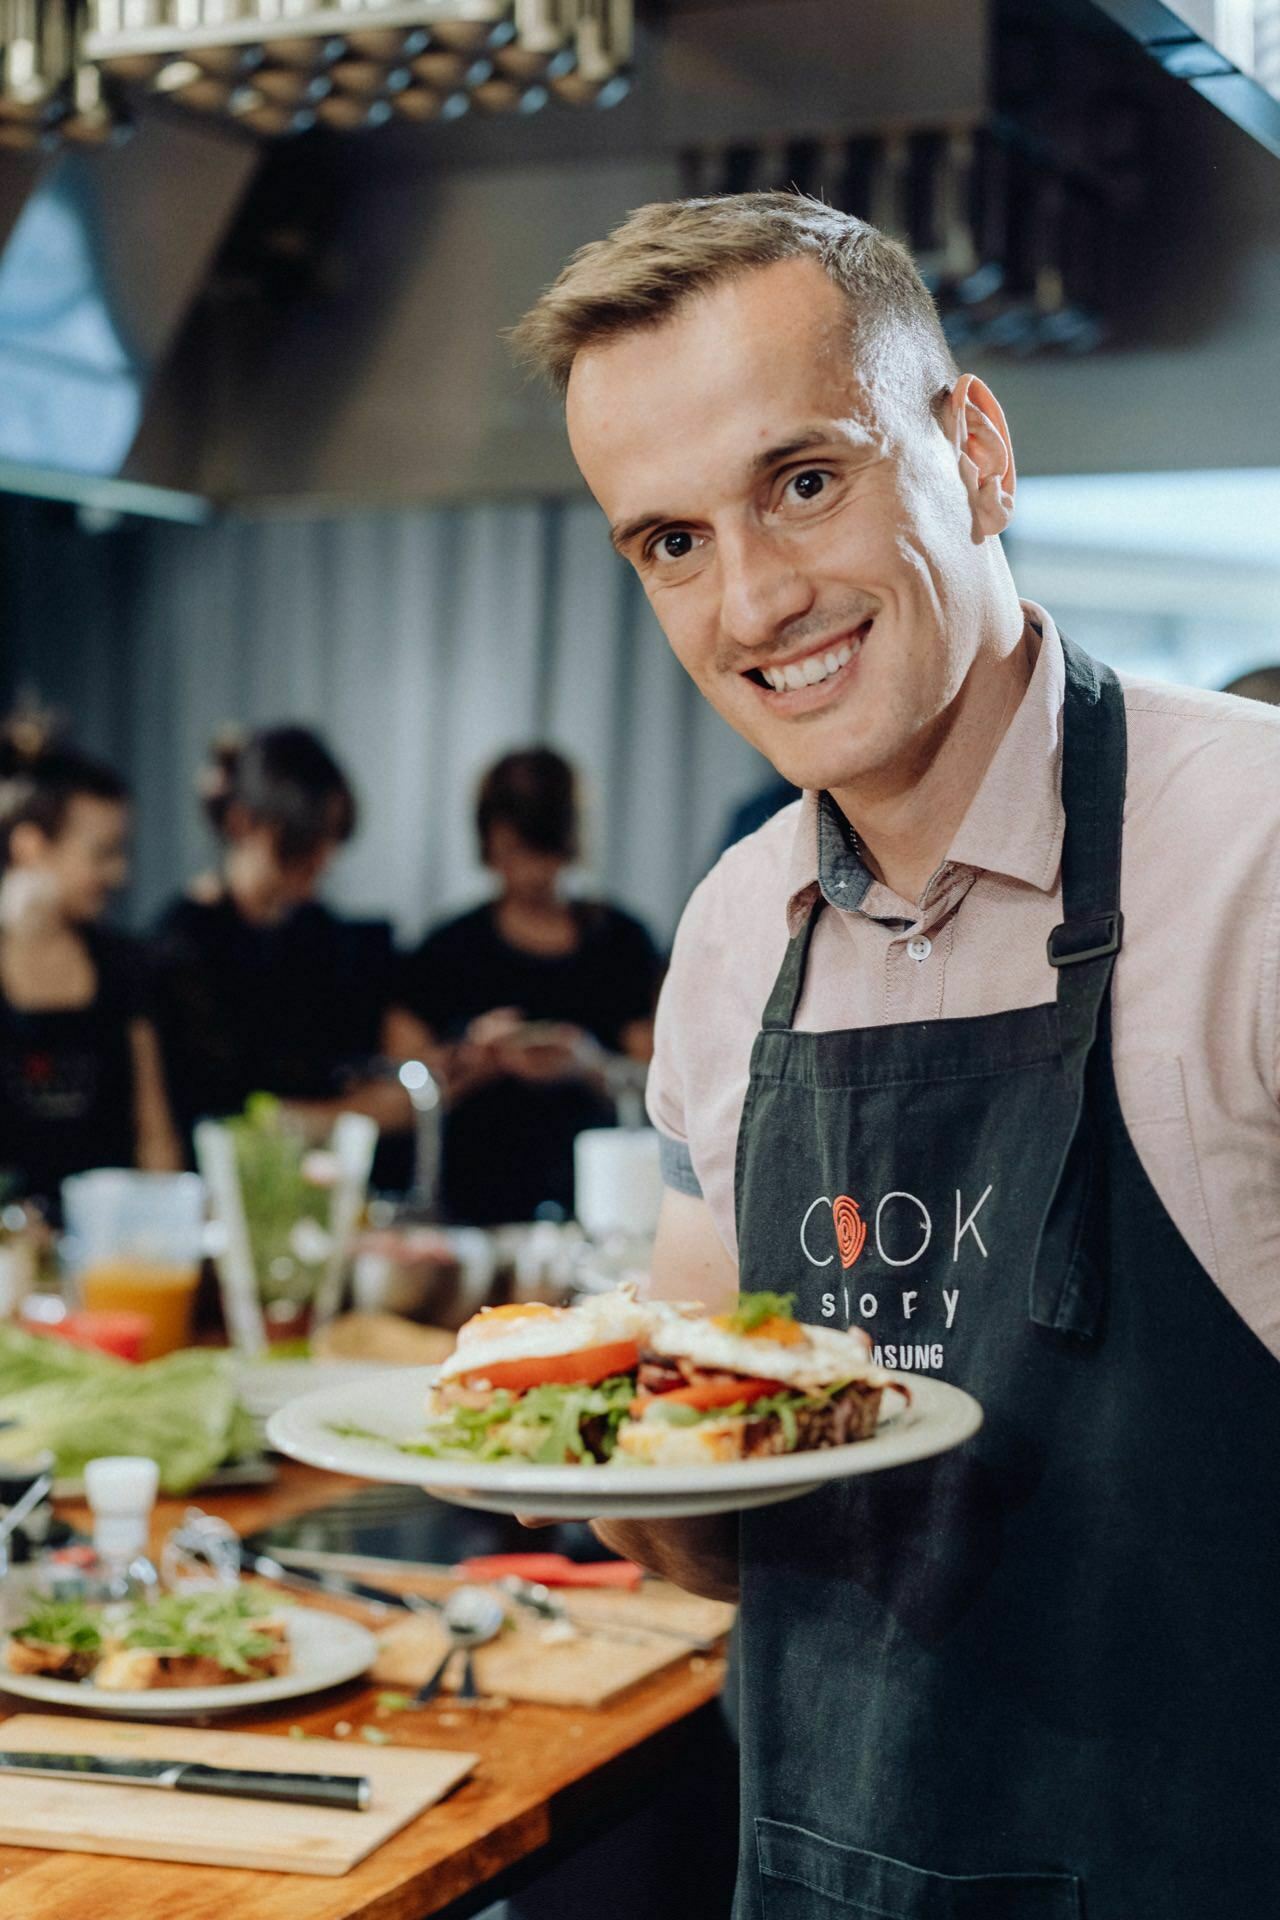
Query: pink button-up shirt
1195, 992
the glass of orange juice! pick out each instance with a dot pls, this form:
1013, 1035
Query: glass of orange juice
165, 1294
133, 1245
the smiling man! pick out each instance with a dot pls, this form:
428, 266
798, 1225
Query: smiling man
917, 1067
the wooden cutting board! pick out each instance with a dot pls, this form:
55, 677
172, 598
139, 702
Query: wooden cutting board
530, 1660
146, 1823
654, 1607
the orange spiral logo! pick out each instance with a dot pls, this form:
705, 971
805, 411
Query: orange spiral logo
851, 1228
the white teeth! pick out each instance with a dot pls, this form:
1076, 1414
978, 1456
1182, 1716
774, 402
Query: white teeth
808, 673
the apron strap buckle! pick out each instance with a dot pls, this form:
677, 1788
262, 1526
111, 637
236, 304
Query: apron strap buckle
1092, 939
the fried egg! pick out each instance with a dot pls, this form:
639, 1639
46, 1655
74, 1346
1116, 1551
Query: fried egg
529, 1330
778, 1349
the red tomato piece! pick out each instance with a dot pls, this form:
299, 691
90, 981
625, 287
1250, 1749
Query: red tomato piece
557, 1369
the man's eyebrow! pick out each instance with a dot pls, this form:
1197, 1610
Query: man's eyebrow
842, 433
621, 537
803, 442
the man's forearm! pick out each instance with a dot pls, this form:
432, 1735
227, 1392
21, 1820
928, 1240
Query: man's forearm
700, 1555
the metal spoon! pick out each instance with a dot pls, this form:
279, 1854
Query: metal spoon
471, 1616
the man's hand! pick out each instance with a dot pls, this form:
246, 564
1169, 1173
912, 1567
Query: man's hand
699, 1555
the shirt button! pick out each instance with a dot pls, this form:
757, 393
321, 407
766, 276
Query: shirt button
920, 948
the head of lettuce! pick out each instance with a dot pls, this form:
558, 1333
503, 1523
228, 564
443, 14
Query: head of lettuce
181, 1411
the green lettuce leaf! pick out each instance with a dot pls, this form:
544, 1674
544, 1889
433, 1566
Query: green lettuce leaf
544, 1425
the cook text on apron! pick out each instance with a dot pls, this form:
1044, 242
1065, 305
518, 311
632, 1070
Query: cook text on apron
1037, 1678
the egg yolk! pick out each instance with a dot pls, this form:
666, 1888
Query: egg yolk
492, 1320
783, 1333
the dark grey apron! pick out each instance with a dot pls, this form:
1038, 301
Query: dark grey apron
1038, 1678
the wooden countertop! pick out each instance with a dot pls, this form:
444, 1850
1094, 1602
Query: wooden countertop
546, 1775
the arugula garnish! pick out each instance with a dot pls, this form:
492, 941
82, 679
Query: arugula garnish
61, 1623
753, 1309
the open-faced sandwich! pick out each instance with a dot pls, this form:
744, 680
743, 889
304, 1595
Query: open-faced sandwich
539, 1383
206, 1639
615, 1378
755, 1381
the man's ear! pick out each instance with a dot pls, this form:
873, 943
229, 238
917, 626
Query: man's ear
978, 432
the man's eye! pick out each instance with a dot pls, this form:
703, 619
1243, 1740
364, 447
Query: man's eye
673, 546
808, 485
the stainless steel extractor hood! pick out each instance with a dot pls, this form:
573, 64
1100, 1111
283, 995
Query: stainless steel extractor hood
103, 255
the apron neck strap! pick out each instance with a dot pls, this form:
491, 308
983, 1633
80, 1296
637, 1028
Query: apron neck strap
1083, 947
780, 1009
1068, 1277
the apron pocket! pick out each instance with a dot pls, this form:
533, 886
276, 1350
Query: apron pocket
803, 1877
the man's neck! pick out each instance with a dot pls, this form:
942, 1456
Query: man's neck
906, 820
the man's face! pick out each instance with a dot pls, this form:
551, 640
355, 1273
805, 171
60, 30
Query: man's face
805, 538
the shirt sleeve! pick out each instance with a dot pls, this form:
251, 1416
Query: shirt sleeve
666, 1093
676, 1164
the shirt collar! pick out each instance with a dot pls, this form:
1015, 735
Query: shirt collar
1014, 825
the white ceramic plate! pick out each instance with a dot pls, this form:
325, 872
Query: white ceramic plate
327, 1649
390, 1414
267, 1385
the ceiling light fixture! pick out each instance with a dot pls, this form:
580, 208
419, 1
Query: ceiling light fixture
67, 67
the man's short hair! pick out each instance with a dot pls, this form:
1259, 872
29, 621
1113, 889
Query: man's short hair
665, 253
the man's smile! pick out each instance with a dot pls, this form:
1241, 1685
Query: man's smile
806, 680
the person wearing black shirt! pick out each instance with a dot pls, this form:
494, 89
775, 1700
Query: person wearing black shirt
260, 987
81, 1083
531, 994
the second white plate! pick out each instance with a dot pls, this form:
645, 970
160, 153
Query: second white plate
327, 1649
364, 1428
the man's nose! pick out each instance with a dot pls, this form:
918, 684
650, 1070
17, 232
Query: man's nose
762, 588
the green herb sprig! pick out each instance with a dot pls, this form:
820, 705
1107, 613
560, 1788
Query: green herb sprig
753, 1309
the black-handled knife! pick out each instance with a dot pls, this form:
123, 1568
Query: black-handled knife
349, 1792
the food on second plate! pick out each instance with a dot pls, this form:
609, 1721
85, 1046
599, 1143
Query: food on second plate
753, 1382
538, 1383
209, 1639
614, 1378
59, 1639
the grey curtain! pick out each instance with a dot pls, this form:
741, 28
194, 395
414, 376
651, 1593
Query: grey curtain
422, 643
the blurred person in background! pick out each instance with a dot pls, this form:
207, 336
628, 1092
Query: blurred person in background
1261, 683
260, 987
531, 994
81, 1083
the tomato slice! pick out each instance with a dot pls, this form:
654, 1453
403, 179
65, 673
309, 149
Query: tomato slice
723, 1391
558, 1369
